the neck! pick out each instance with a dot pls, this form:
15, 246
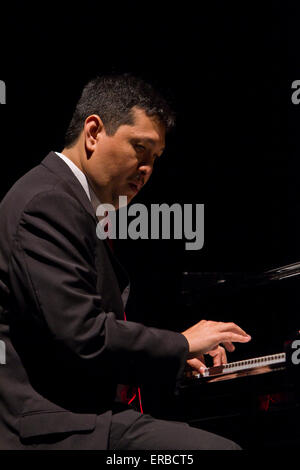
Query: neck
74, 155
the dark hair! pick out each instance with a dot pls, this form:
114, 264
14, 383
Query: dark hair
112, 98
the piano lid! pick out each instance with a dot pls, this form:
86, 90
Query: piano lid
283, 272
198, 280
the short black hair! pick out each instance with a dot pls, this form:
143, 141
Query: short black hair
112, 97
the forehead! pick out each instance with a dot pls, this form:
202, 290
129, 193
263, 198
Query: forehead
147, 128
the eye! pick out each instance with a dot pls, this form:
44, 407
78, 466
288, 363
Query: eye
140, 147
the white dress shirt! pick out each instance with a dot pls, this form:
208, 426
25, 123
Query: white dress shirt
82, 180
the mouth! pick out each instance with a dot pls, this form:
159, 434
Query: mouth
136, 187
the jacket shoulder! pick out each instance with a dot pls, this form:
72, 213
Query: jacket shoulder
36, 181
43, 192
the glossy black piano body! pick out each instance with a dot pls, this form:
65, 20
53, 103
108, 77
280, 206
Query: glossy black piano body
258, 408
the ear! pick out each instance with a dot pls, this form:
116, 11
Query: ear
93, 129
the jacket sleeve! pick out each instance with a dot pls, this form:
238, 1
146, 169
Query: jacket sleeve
54, 281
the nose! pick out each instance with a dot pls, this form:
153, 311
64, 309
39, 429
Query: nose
145, 170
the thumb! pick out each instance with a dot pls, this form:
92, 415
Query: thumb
197, 364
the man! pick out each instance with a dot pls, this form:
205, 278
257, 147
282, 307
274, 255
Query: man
63, 293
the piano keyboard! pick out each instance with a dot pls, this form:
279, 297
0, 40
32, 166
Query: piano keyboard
241, 366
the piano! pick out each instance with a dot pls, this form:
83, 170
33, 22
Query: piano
254, 399
231, 370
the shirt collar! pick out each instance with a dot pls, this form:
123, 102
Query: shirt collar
82, 180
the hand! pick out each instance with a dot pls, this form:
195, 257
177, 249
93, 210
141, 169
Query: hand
206, 336
218, 355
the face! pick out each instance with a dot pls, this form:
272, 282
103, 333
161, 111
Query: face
121, 164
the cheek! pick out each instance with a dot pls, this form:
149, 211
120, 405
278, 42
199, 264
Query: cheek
128, 167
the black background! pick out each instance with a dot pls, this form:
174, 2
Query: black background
223, 65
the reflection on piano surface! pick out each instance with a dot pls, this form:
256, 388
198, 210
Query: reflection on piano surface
255, 398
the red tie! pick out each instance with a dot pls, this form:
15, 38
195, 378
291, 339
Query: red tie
129, 393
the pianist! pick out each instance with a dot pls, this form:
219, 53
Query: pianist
63, 293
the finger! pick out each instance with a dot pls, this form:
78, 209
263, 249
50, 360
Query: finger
216, 355
233, 328
224, 356
234, 338
229, 346
217, 360
196, 364
219, 356
200, 357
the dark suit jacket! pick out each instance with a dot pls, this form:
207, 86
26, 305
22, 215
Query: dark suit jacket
62, 297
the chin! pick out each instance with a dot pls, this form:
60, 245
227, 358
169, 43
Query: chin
121, 202
129, 199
